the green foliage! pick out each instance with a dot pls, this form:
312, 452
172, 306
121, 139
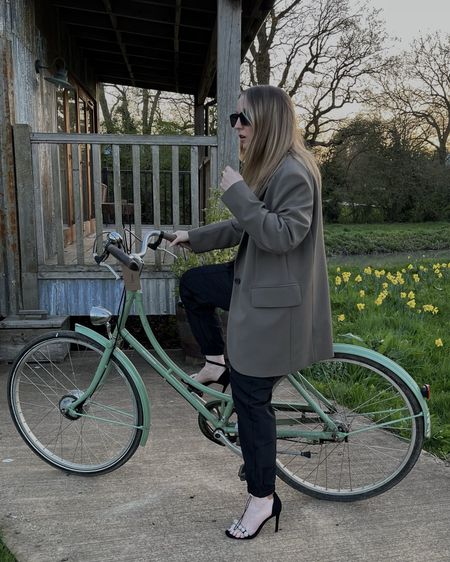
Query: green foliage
385, 238
404, 313
215, 212
376, 172
5, 554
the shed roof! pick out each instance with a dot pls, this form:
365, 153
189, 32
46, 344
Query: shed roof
160, 44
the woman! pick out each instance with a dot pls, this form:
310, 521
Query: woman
276, 290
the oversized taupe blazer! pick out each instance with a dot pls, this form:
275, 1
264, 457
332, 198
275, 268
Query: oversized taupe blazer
279, 318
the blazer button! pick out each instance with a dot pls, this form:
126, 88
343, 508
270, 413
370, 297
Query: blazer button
237, 281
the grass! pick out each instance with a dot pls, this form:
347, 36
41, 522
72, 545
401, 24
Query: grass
5, 554
402, 312
341, 239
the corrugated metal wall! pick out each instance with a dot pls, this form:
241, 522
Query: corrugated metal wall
75, 297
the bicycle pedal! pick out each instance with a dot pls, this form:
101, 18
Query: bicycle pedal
241, 472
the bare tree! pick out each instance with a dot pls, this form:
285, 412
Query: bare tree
322, 52
128, 110
134, 110
418, 89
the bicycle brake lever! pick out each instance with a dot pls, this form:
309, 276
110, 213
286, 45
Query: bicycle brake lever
168, 252
103, 264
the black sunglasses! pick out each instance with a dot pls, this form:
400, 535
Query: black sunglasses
242, 118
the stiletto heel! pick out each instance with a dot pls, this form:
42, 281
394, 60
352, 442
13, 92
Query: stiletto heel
276, 510
223, 380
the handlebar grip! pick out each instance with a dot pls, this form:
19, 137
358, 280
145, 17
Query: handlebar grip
170, 236
124, 258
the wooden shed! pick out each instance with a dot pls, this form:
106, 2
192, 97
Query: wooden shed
53, 54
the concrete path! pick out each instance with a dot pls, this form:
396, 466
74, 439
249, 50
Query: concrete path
174, 498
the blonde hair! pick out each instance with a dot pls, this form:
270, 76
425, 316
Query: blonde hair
275, 134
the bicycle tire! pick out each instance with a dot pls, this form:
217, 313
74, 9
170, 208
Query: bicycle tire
374, 406
54, 370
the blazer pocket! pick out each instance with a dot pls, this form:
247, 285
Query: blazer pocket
276, 297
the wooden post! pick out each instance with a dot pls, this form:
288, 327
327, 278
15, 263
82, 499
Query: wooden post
199, 129
228, 79
26, 208
9, 255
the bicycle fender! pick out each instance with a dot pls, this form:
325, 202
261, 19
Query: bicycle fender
128, 365
399, 371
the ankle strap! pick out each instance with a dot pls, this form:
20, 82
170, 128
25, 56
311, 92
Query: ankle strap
215, 363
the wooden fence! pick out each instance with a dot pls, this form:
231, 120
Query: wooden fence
72, 203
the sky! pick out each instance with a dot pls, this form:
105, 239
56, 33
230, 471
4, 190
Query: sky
408, 19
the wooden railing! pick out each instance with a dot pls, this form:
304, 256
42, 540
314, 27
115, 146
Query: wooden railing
73, 203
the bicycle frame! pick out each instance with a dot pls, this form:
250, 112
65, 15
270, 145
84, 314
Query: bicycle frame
179, 379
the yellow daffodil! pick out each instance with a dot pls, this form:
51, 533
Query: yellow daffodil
360, 306
410, 266
438, 342
368, 270
346, 276
362, 293
411, 303
385, 285
416, 278
358, 279
338, 269
403, 295
337, 280
411, 295
341, 317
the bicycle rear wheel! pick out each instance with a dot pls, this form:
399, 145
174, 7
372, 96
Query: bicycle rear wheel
52, 372
372, 405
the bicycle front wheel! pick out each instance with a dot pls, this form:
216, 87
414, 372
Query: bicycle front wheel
54, 371
376, 410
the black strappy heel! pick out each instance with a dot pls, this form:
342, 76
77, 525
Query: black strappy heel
276, 510
223, 380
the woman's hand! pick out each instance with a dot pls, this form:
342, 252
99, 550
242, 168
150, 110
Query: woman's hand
182, 238
229, 176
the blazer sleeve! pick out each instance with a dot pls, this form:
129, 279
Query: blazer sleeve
281, 221
216, 236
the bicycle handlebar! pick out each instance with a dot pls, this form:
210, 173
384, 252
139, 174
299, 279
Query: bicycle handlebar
133, 261
128, 261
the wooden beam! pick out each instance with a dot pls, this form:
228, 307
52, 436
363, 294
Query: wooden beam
228, 79
123, 49
209, 67
176, 44
26, 207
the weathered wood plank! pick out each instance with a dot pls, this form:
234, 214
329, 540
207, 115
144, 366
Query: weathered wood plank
156, 196
117, 188
97, 186
175, 187
57, 204
153, 140
195, 211
77, 203
26, 217
137, 192
38, 204
228, 72
214, 178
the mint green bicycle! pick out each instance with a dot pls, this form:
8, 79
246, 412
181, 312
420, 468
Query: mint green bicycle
347, 429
